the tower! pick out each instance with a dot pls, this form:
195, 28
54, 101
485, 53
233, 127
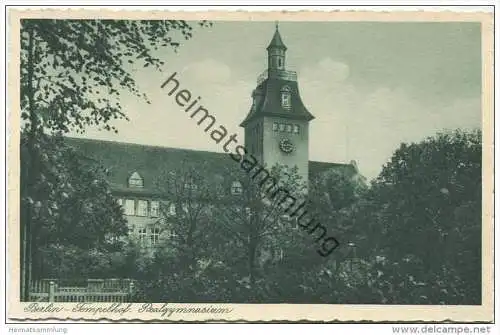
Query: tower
277, 126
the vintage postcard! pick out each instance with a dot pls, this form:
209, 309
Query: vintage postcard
250, 166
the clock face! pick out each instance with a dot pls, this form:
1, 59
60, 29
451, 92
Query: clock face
286, 145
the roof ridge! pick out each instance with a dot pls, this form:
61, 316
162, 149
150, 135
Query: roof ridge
95, 140
121, 143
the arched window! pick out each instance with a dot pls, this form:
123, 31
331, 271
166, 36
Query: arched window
135, 180
286, 97
236, 188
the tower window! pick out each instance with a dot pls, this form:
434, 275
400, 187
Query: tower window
286, 97
280, 63
275, 126
282, 127
135, 180
296, 128
285, 100
289, 128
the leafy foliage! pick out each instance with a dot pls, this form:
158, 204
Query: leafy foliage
72, 75
73, 71
413, 237
246, 249
424, 214
71, 201
186, 213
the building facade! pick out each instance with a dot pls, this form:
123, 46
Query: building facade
276, 132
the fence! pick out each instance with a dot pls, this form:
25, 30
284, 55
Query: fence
96, 290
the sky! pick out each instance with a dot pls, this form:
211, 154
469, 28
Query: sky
370, 85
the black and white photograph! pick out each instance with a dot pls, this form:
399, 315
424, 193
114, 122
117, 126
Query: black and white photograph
178, 165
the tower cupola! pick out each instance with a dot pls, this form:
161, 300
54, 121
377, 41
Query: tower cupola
276, 52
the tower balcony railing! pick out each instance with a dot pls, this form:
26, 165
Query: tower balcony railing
276, 74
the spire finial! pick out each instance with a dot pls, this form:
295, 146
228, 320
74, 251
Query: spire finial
276, 42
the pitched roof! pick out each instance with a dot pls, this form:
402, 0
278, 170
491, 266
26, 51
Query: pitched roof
276, 42
123, 159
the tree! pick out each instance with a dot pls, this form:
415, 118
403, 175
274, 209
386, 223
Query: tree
426, 206
188, 263
188, 195
303, 276
254, 221
334, 195
72, 74
73, 208
72, 71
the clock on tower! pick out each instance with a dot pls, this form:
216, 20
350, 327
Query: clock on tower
286, 146
277, 126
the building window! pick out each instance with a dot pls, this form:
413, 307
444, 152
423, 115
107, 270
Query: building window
155, 235
171, 209
120, 201
110, 238
172, 234
155, 209
286, 100
190, 185
135, 180
284, 127
286, 97
236, 188
279, 254
129, 207
142, 235
142, 208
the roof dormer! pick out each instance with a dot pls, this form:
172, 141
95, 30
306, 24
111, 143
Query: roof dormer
135, 180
